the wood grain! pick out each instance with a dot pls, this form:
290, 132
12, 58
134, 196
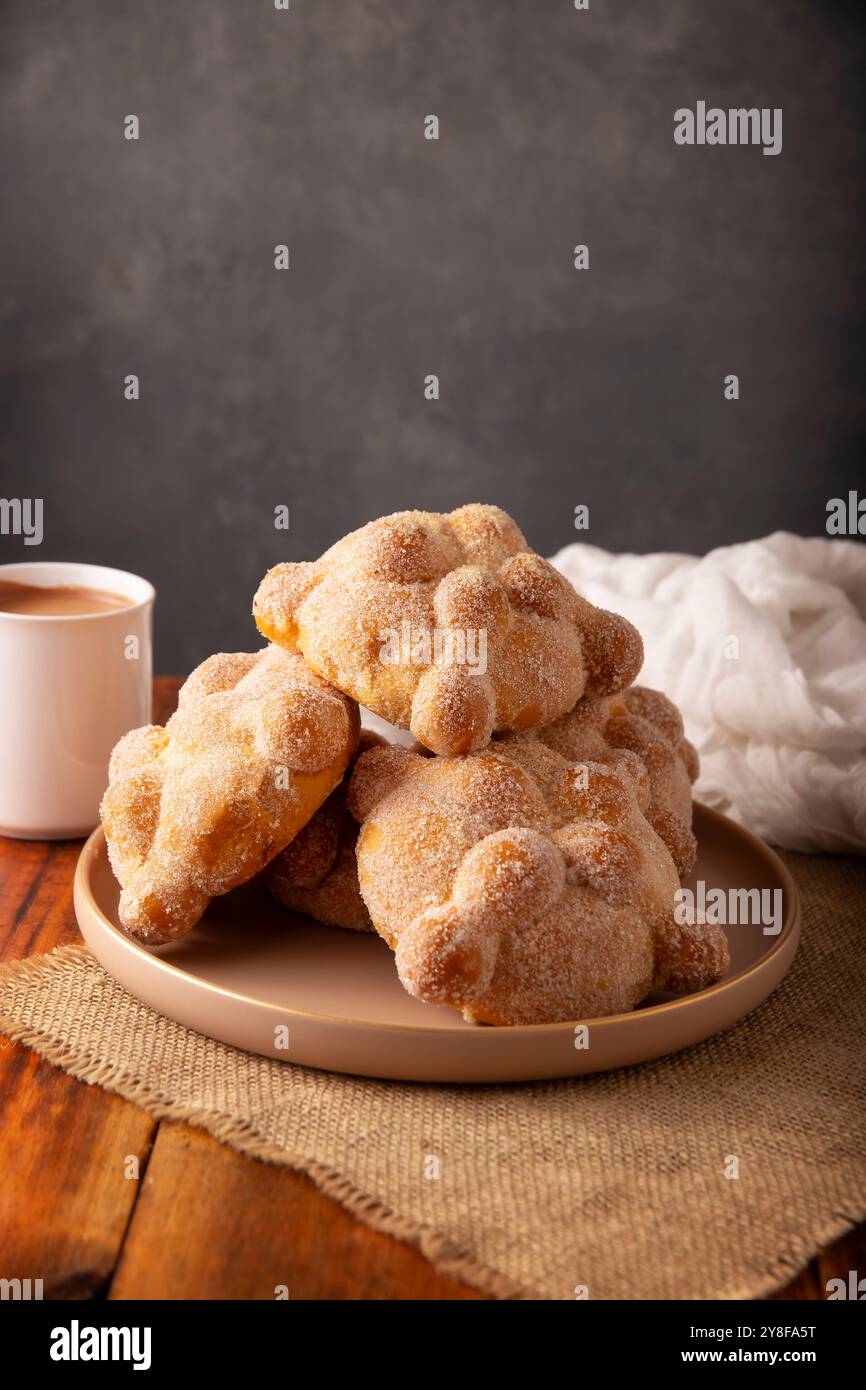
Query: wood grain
201, 1221
210, 1224
64, 1200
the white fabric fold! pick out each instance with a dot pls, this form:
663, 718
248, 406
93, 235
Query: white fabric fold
763, 648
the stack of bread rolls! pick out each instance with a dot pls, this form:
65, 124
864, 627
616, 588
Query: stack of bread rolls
521, 859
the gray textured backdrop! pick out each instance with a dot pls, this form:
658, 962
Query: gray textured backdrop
409, 257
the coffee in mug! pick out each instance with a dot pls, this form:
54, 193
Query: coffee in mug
57, 600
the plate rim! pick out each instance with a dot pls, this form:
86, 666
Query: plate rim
96, 841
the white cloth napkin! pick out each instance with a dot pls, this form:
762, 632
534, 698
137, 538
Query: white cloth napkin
763, 648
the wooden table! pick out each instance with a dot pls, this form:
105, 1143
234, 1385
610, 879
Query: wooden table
202, 1221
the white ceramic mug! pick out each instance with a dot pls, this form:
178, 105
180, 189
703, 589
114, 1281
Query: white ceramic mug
70, 686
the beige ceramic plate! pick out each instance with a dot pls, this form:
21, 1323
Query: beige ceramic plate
251, 972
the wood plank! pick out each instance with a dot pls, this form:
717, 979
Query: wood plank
64, 1201
36, 896
213, 1224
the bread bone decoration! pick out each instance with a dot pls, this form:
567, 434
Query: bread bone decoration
447, 625
200, 806
640, 731
521, 888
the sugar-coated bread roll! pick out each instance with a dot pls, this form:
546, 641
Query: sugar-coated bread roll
447, 625
200, 806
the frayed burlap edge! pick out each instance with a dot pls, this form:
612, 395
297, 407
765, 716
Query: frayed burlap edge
444, 1254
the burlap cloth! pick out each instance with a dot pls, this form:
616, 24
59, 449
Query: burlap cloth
615, 1182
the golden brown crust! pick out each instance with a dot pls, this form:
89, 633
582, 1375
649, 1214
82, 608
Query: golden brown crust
520, 887
257, 743
641, 732
451, 577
